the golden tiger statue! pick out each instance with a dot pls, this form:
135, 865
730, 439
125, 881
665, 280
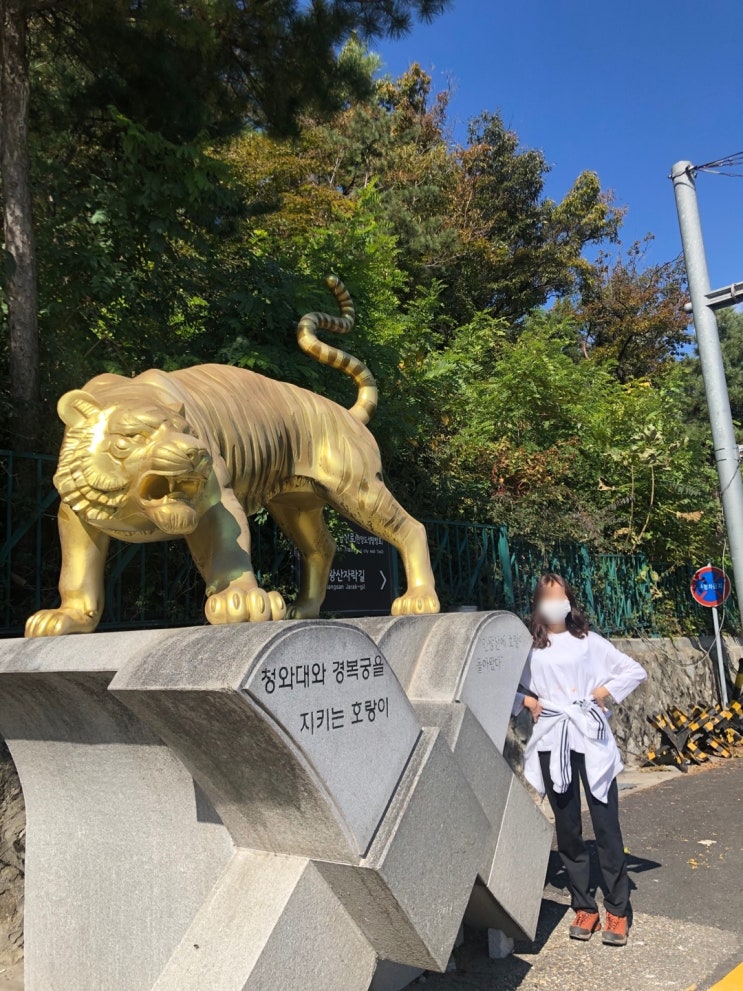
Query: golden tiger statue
194, 452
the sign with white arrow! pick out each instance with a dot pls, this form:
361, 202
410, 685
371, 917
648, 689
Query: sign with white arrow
360, 581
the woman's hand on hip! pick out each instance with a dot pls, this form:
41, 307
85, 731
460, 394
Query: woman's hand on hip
534, 705
601, 694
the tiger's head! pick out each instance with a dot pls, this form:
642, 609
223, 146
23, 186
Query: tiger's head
133, 467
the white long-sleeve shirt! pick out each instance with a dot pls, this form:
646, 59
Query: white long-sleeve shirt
567, 671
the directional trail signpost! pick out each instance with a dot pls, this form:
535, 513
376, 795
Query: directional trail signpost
710, 587
360, 582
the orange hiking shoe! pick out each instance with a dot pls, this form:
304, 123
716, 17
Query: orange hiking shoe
584, 925
615, 933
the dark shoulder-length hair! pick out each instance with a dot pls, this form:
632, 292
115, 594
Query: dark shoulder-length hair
575, 621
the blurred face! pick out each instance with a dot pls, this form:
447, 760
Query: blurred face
554, 605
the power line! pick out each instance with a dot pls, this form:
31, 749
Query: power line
721, 166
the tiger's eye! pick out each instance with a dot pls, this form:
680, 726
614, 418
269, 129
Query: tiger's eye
121, 447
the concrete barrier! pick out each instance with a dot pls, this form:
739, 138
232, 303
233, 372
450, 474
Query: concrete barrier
269, 806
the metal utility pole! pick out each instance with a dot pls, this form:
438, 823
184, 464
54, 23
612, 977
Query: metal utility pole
704, 302
720, 659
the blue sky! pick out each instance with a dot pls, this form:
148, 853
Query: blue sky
625, 90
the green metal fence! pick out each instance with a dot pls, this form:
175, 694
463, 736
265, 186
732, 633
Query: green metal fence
475, 564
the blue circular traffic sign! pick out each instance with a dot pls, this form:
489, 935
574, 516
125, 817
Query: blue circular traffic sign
710, 586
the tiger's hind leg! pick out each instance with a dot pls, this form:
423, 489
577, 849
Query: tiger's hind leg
304, 524
377, 510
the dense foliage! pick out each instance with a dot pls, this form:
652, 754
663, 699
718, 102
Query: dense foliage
520, 381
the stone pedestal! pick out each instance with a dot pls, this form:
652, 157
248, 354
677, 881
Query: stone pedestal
284, 805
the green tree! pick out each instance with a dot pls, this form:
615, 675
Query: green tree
520, 249
174, 71
730, 323
472, 219
554, 446
632, 314
695, 413
19, 269
168, 240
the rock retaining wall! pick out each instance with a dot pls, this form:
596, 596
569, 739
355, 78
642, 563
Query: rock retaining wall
12, 849
679, 674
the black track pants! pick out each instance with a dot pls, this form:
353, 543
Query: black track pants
570, 843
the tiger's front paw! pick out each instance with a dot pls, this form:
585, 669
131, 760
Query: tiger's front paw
244, 602
417, 601
57, 622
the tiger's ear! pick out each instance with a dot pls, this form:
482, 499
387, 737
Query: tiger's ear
75, 407
178, 408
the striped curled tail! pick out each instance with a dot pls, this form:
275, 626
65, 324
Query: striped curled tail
326, 354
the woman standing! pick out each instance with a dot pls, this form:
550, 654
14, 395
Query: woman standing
570, 674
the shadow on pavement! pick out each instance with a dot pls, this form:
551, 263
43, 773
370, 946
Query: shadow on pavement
476, 970
473, 963
551, 915
557, 876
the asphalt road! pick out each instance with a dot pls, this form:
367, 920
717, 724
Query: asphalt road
686, 864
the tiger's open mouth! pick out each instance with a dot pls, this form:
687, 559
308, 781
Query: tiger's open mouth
159, 489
